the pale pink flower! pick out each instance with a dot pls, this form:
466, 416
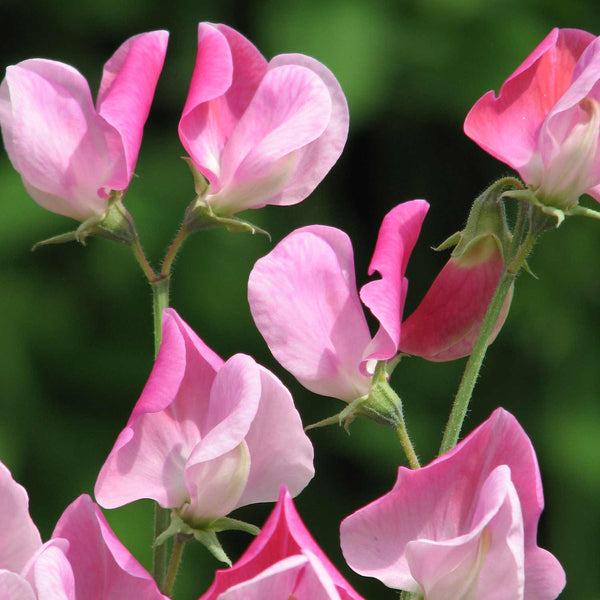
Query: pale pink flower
545, 122
206, 436
464, 526
103, 567
83, 560
283, 561
69, 154
261, 133
304, 301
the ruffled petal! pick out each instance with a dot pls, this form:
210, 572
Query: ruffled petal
128, 83
507, 126
304, 302
102, 566
385, 297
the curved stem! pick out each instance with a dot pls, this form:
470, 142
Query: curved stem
413, 459
471, 372
143, 261
181, 236
178, 547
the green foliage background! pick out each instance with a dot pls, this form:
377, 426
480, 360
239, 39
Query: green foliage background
76, 329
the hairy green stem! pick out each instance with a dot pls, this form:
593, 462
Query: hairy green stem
178, 547
471, 372
160, 301
181, 236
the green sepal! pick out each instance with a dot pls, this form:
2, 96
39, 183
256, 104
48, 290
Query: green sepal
199, 215
381, 404
206, 533
543, 217
114, 224
582, 211
200, 182
208, 538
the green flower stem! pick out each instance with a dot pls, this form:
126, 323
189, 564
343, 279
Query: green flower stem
471, 372
181, 236
160, 301
178, 547
413, 459
143, 261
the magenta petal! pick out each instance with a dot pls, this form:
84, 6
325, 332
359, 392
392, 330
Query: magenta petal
447, 321
282, 536
301, 577
304, 302
102, 566
126, 91
385, 297
507, 126
149, 455
19, 537
227, 72
281, 452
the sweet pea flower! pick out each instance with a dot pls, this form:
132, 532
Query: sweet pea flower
545, 122
206, 436
464, 526
83, 561
283, 561
29, 570
102, 566
70, 155
260, 133
304, 301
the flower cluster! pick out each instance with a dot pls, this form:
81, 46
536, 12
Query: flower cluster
209, 436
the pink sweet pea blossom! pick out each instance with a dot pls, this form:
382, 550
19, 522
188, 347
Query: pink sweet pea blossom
29, 570
261, 133
283, 561
545, 122
445, 324
463, 527
103, 567
305, 304
206, 436
69, 154
83, 560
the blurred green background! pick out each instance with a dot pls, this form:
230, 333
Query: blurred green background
76, 334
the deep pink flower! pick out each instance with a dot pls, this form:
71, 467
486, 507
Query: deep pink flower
445, 324
206, 436
463, 527
70, 154
545, 122
305, 304
261, 133
283, 561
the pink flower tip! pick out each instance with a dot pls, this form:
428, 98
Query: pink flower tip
283, 561
545, 122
